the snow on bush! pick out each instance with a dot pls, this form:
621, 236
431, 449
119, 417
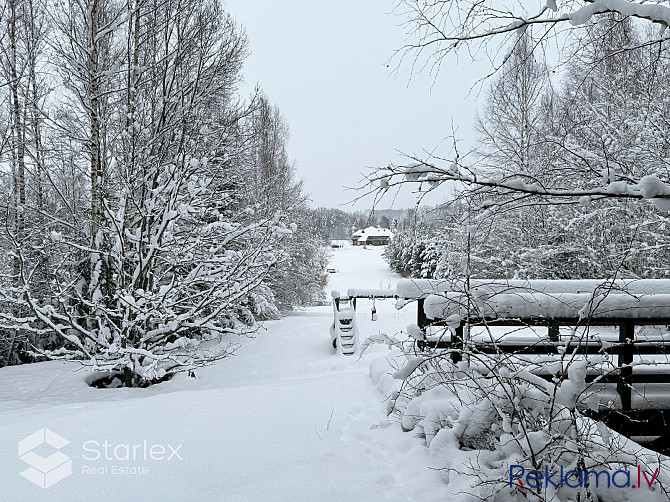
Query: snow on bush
488, 414
171, 292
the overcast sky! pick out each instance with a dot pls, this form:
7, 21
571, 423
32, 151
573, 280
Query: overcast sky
323, 63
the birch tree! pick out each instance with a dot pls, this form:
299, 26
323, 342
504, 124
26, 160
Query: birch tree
438, 30
159, 248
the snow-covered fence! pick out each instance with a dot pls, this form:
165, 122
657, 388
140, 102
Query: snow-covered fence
344, 329
448, 313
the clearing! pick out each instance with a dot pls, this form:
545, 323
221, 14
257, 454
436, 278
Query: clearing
285, 419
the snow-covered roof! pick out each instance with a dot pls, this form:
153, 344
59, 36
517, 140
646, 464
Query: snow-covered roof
362, 235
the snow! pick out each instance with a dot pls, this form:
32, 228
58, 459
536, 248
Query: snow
363, 235
584, 200
373, 232
653, 188
657, 13
284, 419
543, 298
449, 418
372, 293
518, 188
420, 288
561, 305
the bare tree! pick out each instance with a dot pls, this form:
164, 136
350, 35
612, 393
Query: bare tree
511, 121
444, 28
154, 250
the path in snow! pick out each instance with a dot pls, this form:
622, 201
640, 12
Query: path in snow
285, 419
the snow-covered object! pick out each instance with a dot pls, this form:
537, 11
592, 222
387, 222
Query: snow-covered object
653, 188
474, 425
372, 235
657, 13
344, 329
559, 305
421, 288
436, 334
414, 331
371, 293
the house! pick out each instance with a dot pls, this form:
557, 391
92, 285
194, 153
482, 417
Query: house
372, 236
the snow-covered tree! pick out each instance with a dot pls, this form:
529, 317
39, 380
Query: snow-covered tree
147, 253
599, 178
440, 29
298, 280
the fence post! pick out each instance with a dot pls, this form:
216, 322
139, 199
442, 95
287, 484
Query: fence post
553, 330
421, 319
626, 337
457, 343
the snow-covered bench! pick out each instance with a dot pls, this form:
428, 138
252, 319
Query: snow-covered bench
587, 307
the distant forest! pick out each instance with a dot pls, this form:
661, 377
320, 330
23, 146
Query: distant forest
338, 224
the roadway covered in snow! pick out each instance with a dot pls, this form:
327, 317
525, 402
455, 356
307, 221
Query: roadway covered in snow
285, 419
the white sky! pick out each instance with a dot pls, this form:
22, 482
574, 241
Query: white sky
323, 63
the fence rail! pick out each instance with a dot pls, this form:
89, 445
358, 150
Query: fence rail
627, 420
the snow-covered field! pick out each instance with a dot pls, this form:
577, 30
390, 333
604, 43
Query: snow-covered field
284, 419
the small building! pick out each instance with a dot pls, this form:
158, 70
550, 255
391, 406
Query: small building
372, 236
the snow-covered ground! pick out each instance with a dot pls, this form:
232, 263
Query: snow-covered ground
284, 419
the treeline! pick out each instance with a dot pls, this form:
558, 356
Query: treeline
337, 224
607, 120
151, 213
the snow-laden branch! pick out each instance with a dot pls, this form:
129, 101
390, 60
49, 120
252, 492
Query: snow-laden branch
648, 187
448, 24
656, 12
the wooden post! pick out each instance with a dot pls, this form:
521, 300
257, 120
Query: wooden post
553, 331
457, 342
626, 337
421, 319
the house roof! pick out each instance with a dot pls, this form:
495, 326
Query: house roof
362, 235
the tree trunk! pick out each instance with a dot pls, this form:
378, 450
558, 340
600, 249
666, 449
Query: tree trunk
19, 133
94, 90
